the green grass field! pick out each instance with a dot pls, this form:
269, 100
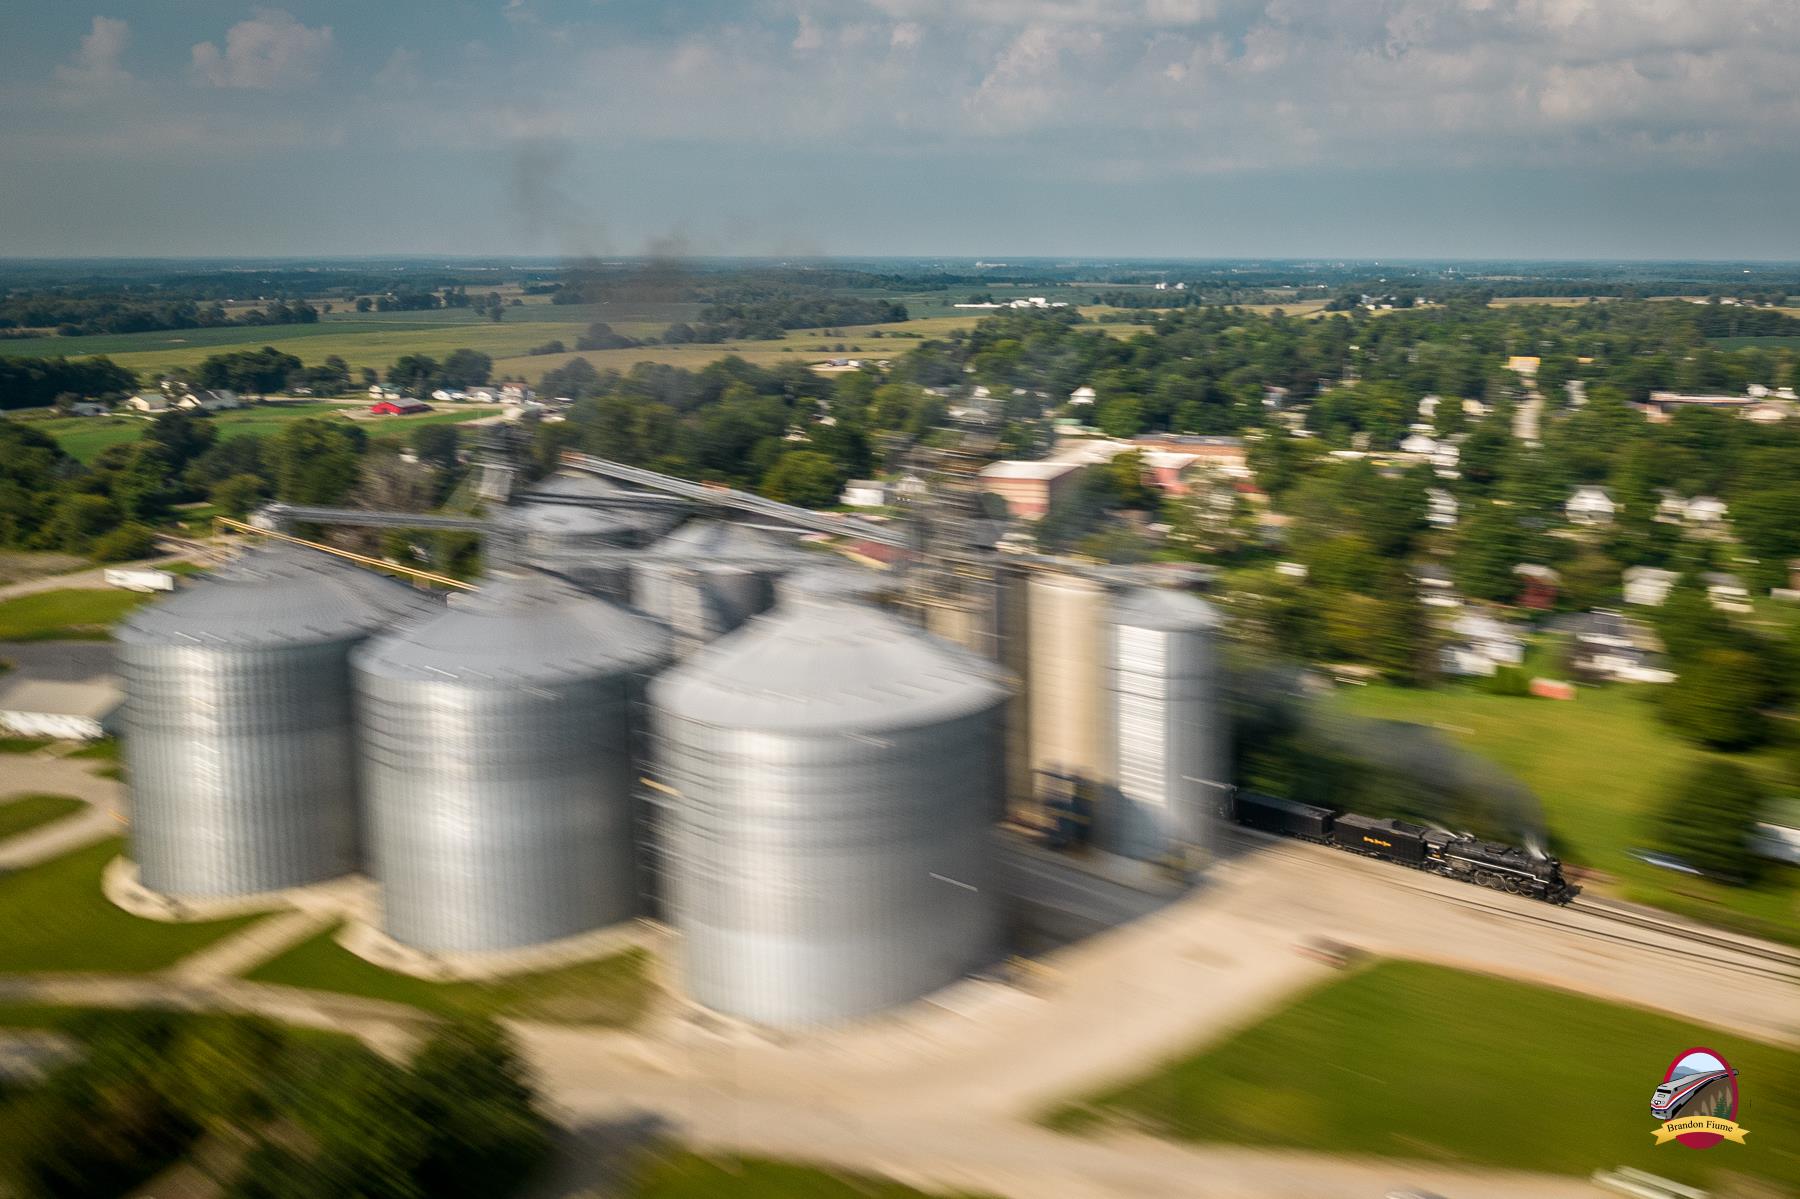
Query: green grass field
682, 1175
22, 745
610, 991
67, 614
26, 812
53, 918
1409, 1060
84, 437
1600, 764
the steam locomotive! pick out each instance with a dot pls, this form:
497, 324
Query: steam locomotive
1453, 855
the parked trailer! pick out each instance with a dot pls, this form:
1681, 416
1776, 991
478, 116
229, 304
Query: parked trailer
141, 579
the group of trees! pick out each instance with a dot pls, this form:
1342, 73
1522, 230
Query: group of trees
420, 374
768, 319
83, 315
37, 382
288, 1117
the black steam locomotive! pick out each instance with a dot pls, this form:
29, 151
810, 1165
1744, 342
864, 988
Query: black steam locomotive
1454, 855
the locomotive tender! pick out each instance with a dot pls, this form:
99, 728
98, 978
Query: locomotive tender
1453, 855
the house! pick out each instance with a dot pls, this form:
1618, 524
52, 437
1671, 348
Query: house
1590, 506
1480, 645
1576, 390
1705, 510
449, 395
201, 400
1168, 470
1648, 586
1662, 405
150, 401
1767, 412
1436, 588
63, 709
1428, 407
1029, 488
1445, 458
401, 407
1226, 453
1082, 396
515, 393
381, 391
88, 408
1418, 445
1524, 366
1275, 397
910, 487
1607, 647
866, 493
1440, 508
1727, 592
1538, 586
483, 395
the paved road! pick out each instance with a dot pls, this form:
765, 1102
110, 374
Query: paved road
61, 661
94, 578
42, 774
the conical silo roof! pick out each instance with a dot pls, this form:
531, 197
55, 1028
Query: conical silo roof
576, 487
825, 580
530, 628
720, 542
271, 595
1162, 608
828, 666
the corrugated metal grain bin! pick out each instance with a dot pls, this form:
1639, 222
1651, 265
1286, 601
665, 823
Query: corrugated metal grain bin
1169, 741
239, 735
708, 577
1069, 725
829, 848
499, 758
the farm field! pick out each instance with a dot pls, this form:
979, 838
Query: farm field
1600, 764
1409, 1060
84, 437
608, 991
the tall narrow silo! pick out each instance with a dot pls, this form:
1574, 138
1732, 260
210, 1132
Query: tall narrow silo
1170, 742
828, 842
1069, 723
239, 730
708, 577
499, 759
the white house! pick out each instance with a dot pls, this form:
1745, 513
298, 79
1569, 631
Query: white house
1445, 458
865, 493
1705, 510
1428, 407
149, 401
1479, 645
449, 395
1082, 396
1418, 445
381, 391
1607, 645
1648, 586
1590, 506
516, 393
1727, 592
201, 400
1440, 508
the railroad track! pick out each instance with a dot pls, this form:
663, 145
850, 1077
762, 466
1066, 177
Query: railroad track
1750, 959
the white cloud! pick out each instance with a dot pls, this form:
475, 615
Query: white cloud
269, 50
96, 66
401, 71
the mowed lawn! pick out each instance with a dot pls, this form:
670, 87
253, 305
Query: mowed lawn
682, 1175
1600, 764
54, 918
611, 991
66, 614
21, 814
1409, 1060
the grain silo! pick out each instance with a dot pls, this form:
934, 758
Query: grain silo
499, 758
638, 517
584, 545
239, 732
1169, 736
830, 581
1067, 679
828, 844
708, 577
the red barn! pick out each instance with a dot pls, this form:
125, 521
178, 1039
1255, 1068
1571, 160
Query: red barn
399, 407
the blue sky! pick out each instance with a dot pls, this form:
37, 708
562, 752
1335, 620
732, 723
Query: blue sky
1349, 128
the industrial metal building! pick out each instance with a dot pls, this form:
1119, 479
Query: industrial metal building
499, 748
240, 738
834, 772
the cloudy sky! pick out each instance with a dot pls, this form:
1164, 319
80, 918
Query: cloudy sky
1291, 128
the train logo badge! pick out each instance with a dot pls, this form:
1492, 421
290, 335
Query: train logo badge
1697, 1101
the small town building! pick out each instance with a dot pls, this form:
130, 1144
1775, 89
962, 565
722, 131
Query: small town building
1538, 586
1608, 647
1590, 506
1726, 591
1440, 508
1082, 397
866, 493
150, 401
1648, 586
205, 400
1479, 645
1029, 488
400, 407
